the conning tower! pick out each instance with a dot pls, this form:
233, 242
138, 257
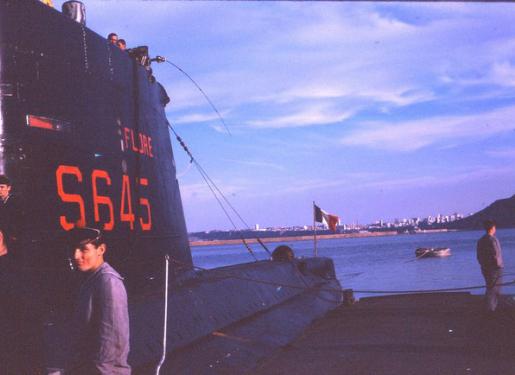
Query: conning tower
84, 138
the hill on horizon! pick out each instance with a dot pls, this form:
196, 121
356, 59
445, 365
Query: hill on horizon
502, 211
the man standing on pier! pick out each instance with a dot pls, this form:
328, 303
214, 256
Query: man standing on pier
489, 256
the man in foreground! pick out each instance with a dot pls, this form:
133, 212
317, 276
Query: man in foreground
489, 256
101, 315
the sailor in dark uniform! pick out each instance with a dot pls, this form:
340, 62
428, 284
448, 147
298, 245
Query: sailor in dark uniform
489, 256
11, 214
11, 220
5, 270
10, 303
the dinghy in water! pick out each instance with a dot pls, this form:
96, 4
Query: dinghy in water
428, 252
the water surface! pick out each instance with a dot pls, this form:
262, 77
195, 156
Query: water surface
386, 263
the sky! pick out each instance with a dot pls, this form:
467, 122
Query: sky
372, 110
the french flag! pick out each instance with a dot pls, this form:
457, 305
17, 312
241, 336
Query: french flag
323, 217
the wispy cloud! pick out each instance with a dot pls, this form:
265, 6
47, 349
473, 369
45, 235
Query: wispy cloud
352, 94
349, 180
502, 153
316, 115
498, 73
254, 163
414, 135
350, 64
424, 181
336, 27
197, 117
503, 73
375, 181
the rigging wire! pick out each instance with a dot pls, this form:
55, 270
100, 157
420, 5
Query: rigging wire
227, 214
204, 174
185, 172
230, 205
215, 190
203, 93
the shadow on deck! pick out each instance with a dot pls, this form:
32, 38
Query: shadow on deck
433, 334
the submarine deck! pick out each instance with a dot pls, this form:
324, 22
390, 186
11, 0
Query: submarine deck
441, 333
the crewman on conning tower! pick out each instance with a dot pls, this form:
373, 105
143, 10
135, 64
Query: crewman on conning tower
112, 38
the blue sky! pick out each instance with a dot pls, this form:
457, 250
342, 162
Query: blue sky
373, 110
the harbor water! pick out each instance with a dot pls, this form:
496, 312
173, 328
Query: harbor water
386, 264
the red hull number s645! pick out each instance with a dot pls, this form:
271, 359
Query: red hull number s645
108, 219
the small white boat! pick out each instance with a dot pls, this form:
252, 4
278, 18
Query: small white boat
426, 252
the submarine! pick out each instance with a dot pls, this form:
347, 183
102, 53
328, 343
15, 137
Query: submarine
85, 141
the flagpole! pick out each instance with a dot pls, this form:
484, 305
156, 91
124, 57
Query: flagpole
315, 230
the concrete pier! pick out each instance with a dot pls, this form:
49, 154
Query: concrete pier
433, 334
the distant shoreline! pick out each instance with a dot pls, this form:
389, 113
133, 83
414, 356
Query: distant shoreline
305, 238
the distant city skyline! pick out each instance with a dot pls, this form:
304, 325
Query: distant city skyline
373, 110
380, 223
406, 220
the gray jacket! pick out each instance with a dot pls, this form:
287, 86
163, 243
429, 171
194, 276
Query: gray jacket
489, 254
102, 325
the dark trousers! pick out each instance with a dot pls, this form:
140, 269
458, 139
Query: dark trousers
493, 279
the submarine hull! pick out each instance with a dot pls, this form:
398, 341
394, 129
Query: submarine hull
222, 320
85, 140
